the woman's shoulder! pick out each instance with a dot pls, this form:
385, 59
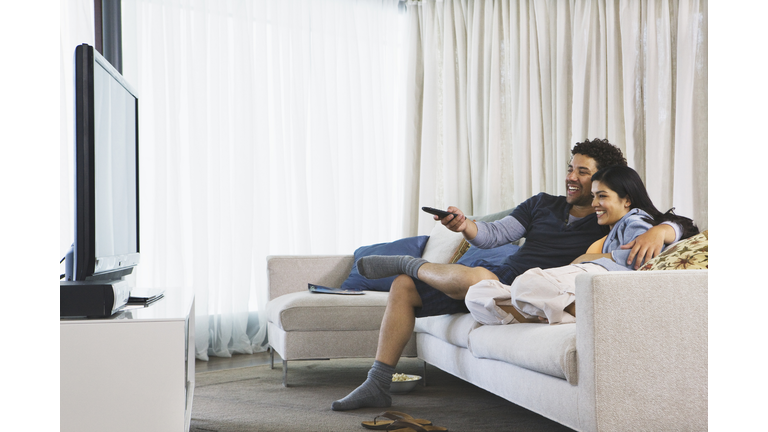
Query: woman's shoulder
636, 214
636, 219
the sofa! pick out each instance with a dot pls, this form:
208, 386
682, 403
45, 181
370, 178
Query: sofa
636, 359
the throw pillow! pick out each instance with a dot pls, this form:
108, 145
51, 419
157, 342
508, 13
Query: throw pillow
691, 253
443, 244
474, 255
413, 246
463, 248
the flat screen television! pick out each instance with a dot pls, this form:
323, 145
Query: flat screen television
106, 244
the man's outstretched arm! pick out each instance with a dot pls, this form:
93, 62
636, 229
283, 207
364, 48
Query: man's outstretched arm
484, 235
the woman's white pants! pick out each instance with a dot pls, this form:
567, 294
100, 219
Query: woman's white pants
535, 293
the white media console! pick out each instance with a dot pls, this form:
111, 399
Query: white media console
134, 371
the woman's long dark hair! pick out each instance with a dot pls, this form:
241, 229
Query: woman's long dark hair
627, 184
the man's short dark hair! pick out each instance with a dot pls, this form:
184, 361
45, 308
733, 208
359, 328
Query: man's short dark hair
603, 152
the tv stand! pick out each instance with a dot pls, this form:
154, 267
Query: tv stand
134, 371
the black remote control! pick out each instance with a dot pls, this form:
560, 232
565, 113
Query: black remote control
441, 213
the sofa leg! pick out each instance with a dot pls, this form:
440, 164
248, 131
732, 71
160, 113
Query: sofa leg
424, 374
271, 358
285, 373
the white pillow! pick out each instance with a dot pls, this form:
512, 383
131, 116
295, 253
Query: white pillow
442, 245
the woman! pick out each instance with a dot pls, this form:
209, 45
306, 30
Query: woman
620, 202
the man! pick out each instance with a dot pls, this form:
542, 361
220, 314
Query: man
557, 229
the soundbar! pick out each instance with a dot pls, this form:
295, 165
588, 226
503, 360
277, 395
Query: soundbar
92, 299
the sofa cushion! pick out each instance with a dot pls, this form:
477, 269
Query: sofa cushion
691, 253
549, 349
493, 216
413, 246
306, 311
453, 329
462, 249
475, 255
443, 244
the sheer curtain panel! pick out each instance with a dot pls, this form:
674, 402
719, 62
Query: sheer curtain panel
501, 90
267, 127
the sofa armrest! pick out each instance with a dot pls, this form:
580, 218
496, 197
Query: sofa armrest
642, 349
291, 273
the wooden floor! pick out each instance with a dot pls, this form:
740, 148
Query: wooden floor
236, 361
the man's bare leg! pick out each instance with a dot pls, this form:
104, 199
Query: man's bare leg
396, 330
399, 320
453, 279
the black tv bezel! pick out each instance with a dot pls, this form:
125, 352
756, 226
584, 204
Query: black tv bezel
84, 251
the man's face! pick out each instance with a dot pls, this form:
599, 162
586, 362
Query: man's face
578, 182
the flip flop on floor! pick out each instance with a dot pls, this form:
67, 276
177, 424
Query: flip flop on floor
403, 425
392, 416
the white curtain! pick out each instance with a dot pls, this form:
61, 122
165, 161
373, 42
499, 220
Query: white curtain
313, 127
501, 90
77, 27
267, 127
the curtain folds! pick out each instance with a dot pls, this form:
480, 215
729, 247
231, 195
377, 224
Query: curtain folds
267, 128
507, 87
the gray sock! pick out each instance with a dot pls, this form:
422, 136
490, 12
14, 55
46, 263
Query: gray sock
381, 266
374, 392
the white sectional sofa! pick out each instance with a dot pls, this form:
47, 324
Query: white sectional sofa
635, 360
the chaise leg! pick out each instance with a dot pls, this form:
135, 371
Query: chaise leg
271, 358
285, 373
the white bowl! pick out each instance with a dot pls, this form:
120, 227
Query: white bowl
400, 387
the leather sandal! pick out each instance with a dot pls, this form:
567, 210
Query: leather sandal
403, 425
391, 417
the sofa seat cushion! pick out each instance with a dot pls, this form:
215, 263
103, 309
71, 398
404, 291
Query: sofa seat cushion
306, 311
549, 349
453, 329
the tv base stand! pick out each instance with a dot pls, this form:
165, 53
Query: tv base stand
134, 371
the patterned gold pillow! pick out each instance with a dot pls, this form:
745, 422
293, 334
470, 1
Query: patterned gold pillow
460, 251
691, 253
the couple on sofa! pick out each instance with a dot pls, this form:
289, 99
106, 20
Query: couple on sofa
606, 212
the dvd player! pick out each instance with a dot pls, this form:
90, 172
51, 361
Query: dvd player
92, 299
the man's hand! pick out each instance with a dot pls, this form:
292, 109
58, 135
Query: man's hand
454, 223
648, 245
459, 223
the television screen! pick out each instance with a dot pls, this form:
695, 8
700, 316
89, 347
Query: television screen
116, 221
106, 170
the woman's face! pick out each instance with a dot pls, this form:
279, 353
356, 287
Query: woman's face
607, 204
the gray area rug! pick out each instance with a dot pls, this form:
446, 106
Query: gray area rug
254, 399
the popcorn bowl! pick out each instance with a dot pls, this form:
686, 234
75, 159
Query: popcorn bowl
403, 383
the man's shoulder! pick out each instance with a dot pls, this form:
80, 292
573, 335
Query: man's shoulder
540, 201
543, 198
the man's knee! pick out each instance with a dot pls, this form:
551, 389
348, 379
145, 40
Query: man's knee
458, 293
472, 276
403, 289
481, 273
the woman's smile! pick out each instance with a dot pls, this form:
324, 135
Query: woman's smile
609, 207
